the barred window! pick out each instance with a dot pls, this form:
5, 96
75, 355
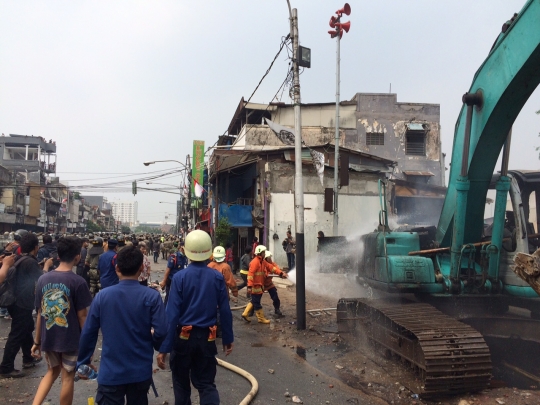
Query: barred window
374, 138
415, 143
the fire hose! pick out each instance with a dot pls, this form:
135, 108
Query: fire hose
254, 384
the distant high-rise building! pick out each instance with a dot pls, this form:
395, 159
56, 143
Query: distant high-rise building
125, 212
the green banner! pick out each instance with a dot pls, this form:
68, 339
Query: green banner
197, 171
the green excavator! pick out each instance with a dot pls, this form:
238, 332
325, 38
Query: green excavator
453, 282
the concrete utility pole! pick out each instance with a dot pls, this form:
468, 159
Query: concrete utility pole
298, 182
335, 22
336, 144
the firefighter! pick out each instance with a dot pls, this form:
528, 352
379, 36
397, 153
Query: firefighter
219, 264
197, 294
269, 285
256, 276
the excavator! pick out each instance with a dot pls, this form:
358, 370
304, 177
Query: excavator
452, 283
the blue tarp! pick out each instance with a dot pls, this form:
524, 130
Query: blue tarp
238, 215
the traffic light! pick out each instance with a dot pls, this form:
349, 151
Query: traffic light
134, 187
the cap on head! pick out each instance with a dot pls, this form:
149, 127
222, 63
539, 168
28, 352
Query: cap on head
219, 254
259, 249
198, 246
112, 243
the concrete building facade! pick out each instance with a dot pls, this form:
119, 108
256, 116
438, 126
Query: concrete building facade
125, 211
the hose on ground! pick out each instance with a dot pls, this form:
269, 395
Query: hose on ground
237, 308
254, 384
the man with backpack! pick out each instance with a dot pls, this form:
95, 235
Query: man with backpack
23, 272
177, 261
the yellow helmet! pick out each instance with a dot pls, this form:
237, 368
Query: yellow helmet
198, 246
259, 249
219, 254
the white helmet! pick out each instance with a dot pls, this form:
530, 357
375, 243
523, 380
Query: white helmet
267, 254
198, 246
219, 254
259, 249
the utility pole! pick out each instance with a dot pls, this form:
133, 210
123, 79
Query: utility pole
188, 211
338, 33
298, 182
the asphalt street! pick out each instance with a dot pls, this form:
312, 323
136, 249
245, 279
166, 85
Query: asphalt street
281, 373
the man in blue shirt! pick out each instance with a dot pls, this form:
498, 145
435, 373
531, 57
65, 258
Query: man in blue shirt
107, 265
133, 323
177, 261
196, 293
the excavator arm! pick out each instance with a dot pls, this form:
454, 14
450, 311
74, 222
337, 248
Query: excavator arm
502, 85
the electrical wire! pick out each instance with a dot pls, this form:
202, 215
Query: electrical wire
284, 41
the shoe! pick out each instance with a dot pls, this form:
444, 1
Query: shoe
260, 316
278, 313
12, 374
3, 312
32, 363
245, 315
8, 317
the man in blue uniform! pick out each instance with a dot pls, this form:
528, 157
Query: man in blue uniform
177, 261
133, 323
107, 265
195, 294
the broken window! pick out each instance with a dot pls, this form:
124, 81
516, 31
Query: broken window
415, 143
374, 138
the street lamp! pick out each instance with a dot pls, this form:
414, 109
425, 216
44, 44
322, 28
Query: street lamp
151, 162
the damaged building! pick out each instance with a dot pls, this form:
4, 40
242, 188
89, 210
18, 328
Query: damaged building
251, 170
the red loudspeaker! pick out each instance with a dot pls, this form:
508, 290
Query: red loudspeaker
333, 34
333, 21
345, 10
346, 26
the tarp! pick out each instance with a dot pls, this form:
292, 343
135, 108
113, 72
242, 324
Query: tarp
238, 215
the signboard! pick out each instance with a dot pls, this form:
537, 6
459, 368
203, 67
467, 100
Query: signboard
197, 171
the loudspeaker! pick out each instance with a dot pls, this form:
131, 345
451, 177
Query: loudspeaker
333, 21
345, 10
346, 26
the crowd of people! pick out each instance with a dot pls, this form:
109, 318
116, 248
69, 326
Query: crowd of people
76, 286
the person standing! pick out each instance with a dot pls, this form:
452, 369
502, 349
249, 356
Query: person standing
256, 275
177, 261
195, 294
47, 250
219, 264
62, 302
22, 324
133, 323
107, 266
244, 268
254, 245
81, 268
145, 273
229, 257
92, 262
269, 284
290, 249
156, 248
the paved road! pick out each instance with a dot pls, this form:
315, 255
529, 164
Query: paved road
257, 349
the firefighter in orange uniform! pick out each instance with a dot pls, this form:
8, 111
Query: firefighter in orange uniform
273, 268
256, 275
219, 265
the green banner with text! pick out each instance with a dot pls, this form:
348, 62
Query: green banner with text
197, 171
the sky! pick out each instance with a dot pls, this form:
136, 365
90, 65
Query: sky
117, 83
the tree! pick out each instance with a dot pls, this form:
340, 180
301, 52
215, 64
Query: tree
93, 227
125, 229
223, 232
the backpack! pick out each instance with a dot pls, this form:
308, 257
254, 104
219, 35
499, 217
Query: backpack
7, 288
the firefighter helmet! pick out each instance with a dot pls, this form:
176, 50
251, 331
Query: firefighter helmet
259, 249
219, 254
198, 246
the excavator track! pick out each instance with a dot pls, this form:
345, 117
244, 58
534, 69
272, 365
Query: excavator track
449, 356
